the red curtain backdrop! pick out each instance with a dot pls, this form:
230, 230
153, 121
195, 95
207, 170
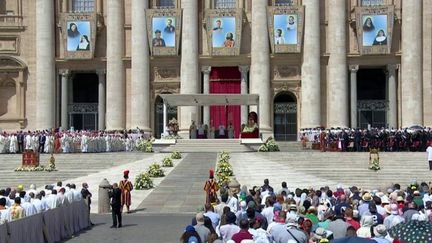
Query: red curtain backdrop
225, 80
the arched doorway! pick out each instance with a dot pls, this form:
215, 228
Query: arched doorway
158, 123
285, 117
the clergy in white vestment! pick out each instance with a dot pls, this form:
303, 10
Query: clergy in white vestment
52, 200
69, 193
63, 200
28, 207
76, 194
2, 144
40, 205
28, 142
13, 145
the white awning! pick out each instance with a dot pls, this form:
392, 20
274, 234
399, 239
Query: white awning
209, 99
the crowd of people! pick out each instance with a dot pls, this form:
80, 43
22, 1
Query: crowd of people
390, 140
69, 141
264, 215
17, 203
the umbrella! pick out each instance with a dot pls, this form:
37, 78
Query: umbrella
353, 240
412, 231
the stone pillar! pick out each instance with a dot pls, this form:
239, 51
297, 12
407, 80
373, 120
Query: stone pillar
45, 65
337, 78
189, 63
206, 90
427, 62
260, 65
101, 99
140, 85
244, 69
353, 78
116, 86
311, 67
391, 96
64, 99
412, 108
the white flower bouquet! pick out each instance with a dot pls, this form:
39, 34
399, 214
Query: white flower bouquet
176, 155
167, 162
155, 170
143, 181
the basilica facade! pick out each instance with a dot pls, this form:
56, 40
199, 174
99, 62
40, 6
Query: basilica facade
102, 64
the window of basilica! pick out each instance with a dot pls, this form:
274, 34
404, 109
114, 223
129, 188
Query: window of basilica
283, 2
223, 4
367, 3
83, 5
165, 4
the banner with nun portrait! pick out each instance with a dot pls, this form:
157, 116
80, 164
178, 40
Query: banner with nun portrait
286, 28
79, 35
163, 31
375, 29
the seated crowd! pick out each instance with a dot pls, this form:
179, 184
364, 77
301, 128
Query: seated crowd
17, 203
349, 139
264, 215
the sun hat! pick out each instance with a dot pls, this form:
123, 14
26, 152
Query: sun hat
367, 197
380, 231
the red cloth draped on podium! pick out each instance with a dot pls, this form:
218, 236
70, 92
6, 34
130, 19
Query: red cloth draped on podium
225, 80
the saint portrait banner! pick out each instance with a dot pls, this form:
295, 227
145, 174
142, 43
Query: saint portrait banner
163, 30
374, 29
224, 31
79, 35
286, 28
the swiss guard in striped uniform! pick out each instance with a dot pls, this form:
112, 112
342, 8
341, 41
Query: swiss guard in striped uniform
126, 187
211, 187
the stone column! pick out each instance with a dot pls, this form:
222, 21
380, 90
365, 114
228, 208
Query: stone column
64, 99
140, 85
45, 65
206, 90
260, 65
244, 69
311, 67
337, 78
101, 99
189, 63
353, 78
412, 108
116, 86
427, 62
391, 96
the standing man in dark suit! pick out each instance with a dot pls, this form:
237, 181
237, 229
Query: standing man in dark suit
42, 139
115, 195
20, 138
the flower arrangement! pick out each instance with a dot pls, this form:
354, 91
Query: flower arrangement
143, 181
145, 146
270, 145
374, 160
167, 162
34, 169
155, 170
176, 155
224, 169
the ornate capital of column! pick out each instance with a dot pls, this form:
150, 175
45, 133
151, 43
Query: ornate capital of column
353, 68
65, 72
101, 72
392, 67
243, 69
206, 69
